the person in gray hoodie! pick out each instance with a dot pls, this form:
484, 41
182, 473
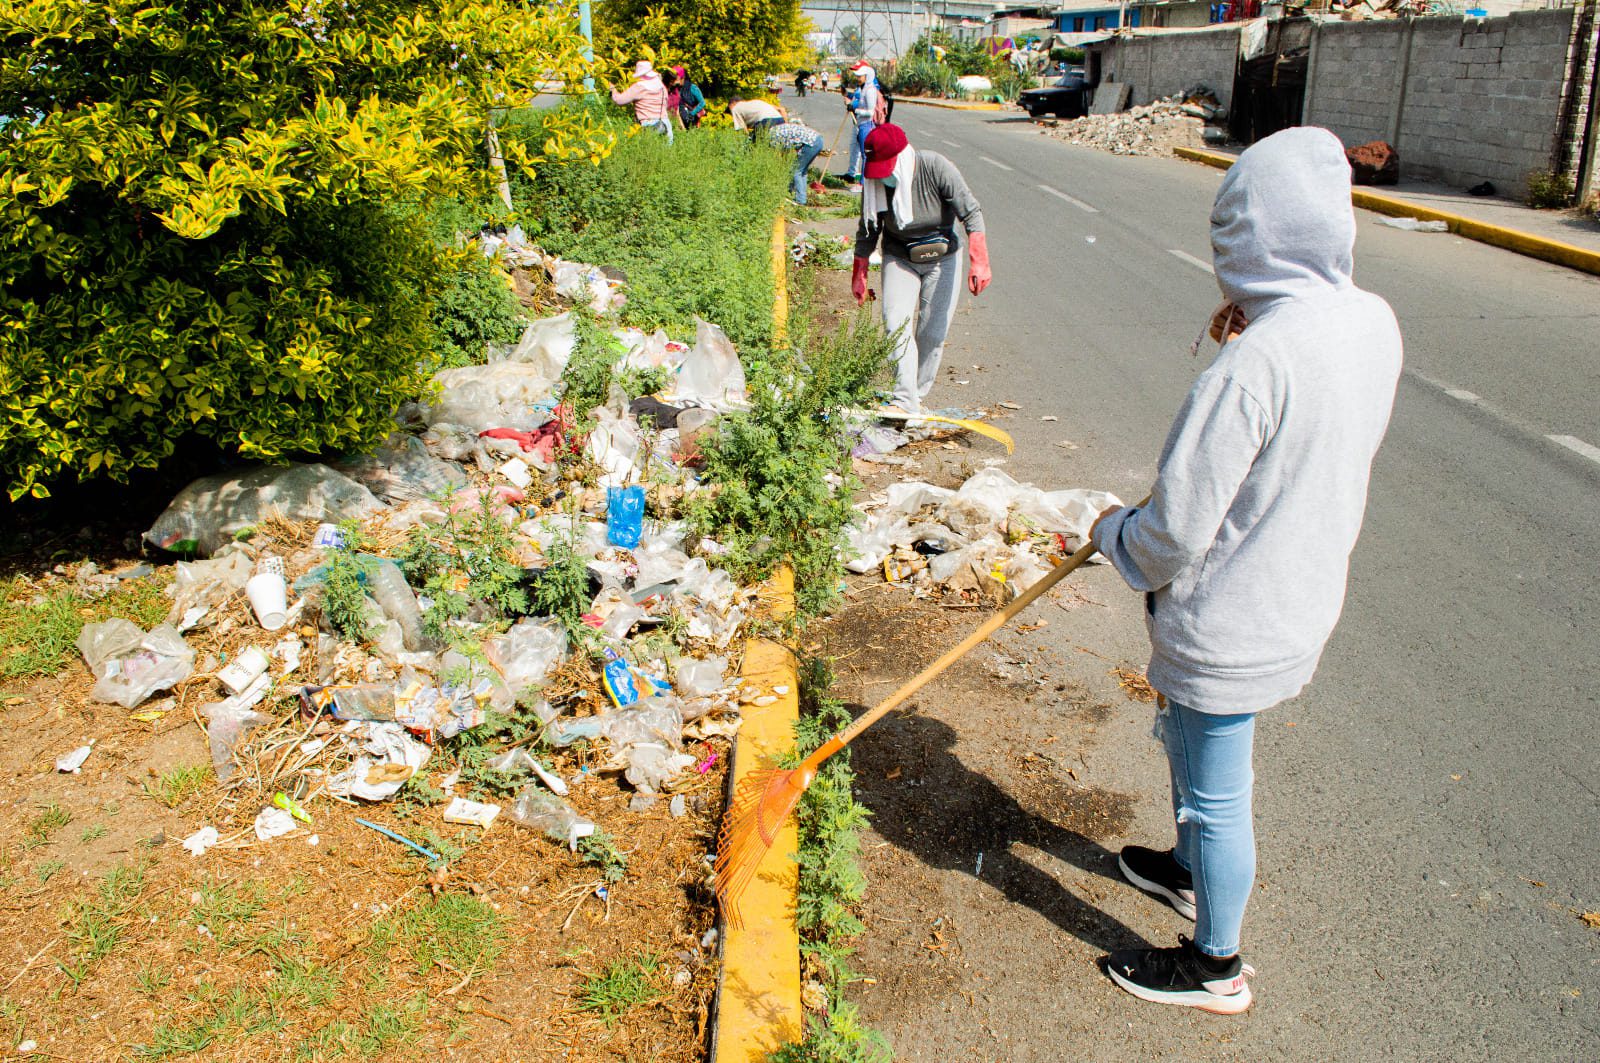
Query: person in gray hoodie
1243, 548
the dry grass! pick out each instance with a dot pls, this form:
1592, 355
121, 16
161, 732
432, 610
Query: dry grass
1134, 684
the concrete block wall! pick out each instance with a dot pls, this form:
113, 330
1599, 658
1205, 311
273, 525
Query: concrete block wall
1354, 79
1162, 64
1482, 100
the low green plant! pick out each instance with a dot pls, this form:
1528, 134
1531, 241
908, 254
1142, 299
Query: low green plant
173, 788
1550, 190
831, 885
600, 849
475, 309
149, 980
621, 986
780, 472
562, 590
51, 818
92, 833
470, 558
454, 930
47, 870
689, 223
94, 925
344, 585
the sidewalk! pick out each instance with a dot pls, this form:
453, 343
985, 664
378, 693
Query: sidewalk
1562, 236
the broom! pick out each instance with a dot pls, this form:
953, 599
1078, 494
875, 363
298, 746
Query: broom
767, 797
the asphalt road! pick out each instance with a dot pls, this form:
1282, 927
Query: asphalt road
1428, 812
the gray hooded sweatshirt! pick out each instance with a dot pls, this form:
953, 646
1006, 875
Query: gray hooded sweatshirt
1244, 546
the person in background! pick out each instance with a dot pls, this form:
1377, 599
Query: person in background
794, 135
1243, 550
867, 110
649, 98
802, 80
754, 115
824, 77
691, 101
910, 202
669, 80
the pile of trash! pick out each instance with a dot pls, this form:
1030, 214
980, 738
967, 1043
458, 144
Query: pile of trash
1191, 119
342, 624
992, 536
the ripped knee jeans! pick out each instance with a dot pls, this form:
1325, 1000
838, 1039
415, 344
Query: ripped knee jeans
1209, 756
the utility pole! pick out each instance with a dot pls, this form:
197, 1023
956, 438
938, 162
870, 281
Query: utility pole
586, 28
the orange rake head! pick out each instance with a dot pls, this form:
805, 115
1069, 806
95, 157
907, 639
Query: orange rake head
761, 803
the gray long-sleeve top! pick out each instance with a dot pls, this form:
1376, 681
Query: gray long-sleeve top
939, 196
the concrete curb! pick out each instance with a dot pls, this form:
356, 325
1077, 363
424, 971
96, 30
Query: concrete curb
1540, 247
758, 1007
949, 105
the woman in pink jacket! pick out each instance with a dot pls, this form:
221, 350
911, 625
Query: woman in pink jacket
649, 98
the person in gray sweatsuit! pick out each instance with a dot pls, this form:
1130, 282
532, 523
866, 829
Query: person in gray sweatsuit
1242, 550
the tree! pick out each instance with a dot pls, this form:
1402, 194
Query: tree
850, 42
212, 214
726, 45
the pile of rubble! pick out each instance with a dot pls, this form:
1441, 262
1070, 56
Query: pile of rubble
1191, 119
345, 625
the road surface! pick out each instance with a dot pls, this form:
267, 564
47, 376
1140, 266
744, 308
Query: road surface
1428, 811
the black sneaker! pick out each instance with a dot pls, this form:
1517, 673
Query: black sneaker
1180, 976
1160, 875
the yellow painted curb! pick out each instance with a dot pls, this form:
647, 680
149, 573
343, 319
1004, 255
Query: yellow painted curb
758, 994
950, 105
1540, 247
780, 278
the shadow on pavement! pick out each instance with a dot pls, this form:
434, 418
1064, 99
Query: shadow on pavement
945, 814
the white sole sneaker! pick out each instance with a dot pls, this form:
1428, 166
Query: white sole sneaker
1182, 901
1204, 999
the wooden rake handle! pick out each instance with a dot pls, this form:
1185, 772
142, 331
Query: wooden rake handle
951, 656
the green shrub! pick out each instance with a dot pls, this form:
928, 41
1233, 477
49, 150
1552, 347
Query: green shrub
770, 467
1549, 190
197, 233
690, 223
476, 308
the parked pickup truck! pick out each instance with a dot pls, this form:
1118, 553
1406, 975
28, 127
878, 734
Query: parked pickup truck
1066, 98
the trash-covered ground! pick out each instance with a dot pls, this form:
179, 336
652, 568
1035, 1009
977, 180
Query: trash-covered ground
1192, 119
419, 752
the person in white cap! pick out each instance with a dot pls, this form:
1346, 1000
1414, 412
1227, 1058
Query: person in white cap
648, 94
866, 107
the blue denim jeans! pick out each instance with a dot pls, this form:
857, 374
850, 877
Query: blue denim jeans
1209, 756
858, 150
802, 168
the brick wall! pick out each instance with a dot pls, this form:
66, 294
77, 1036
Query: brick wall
1162, 64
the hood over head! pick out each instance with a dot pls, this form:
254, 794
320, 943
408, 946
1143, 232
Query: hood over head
1282, 226
644, 69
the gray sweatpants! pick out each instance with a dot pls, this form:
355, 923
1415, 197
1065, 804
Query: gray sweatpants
920, 301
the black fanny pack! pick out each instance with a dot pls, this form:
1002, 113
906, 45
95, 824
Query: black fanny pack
930, 248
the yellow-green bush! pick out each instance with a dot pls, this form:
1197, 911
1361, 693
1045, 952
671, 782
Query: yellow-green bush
197, 233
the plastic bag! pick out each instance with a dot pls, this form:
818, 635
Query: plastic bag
614, 446
711, 374
391, 758
227, 722
657, 719
525, 655
554, 818
199, 587
208, 513
130, 670
546, 345
700, 678
388, 586
499, 395
402, 470
624, 516
651, 766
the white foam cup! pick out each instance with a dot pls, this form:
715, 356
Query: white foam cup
268, 595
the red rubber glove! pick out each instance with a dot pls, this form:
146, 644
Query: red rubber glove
978, 275
858, 279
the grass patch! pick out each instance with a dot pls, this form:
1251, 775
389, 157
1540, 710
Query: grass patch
690, 223
41, 828
47, 869
453, 930
621, 986
174, 787
94, 926
40, 637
